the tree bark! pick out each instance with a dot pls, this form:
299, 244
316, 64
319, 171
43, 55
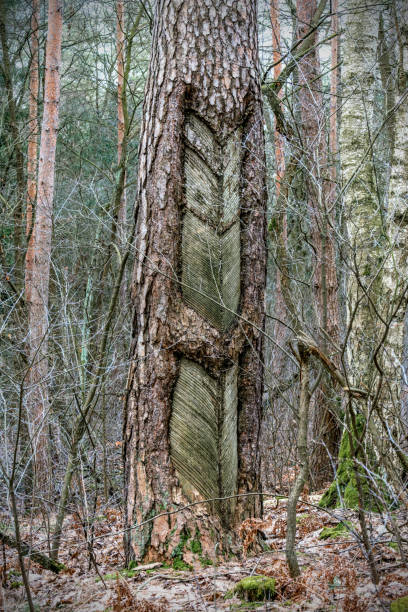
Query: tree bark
320, 193
396, 268
120, 44
18, 154
32, 148
363, 211
37, 396
194, 394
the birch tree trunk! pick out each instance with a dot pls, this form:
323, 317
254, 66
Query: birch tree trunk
320, 193
396, 268
194, 394
363, 212
37, 397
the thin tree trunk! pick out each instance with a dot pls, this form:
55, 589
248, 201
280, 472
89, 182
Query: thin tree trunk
194, 396
32, 149
334, 78
37, 398
320, 194
120, 43
18, 154
302, 446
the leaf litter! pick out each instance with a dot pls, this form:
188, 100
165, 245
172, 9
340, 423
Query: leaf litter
335, 574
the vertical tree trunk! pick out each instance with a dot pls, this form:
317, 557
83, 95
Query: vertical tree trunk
362, 211
364, 222
195, 384
120, 44
32, 146
18, 233
334, 77
320, 194
37, 398
396, 268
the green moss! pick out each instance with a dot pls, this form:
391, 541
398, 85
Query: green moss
393, 545
334, 532
125, 573
195, 544
301, 517
345, 481
177, 552
255, 588
205, 561
400, 605
179, 564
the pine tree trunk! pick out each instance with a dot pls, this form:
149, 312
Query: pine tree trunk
320, 193
32, 146
195, 384
37, 397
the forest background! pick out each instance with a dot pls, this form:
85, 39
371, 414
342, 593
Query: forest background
331, 367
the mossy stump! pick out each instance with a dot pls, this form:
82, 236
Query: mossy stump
255, 588
400, 605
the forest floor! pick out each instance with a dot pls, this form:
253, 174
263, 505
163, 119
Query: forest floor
335, 574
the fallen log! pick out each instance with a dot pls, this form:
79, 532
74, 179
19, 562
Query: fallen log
33, 554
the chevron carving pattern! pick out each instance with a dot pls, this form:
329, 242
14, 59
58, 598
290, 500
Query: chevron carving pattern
203, 425
211, 236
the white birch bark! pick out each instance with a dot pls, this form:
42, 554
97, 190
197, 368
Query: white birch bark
362, 208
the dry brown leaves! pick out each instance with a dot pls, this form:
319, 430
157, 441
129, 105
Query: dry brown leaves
124, 600
248, 532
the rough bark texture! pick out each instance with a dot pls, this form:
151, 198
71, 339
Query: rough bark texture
32, 146
396, 267
12, 124
320, 194
37, 393
363, 213
201, 178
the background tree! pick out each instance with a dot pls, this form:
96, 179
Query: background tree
39, 271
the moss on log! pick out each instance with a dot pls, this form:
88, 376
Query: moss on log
33, 554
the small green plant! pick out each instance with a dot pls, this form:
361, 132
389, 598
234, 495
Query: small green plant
15, 584
205, 561
179, 564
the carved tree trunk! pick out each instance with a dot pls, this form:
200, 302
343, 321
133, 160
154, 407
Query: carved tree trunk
195, 384
37, 398
320, 192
